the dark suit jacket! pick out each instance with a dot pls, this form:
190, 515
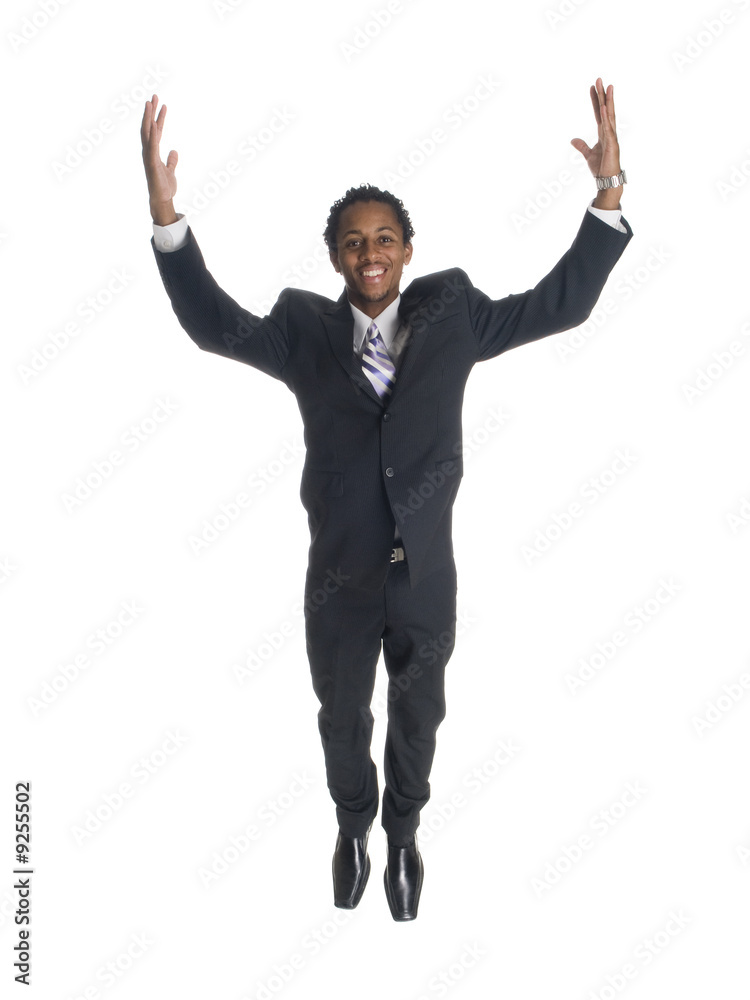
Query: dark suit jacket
370, 464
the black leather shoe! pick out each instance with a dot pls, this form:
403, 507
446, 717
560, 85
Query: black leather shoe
351, 869
403, 878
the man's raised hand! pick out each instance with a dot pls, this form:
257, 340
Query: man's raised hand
604, 158
162, 183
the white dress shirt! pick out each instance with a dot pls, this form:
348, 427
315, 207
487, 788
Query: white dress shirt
394, 335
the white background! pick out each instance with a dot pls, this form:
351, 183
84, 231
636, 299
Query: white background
498, 885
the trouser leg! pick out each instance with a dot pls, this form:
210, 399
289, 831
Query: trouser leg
418, 640
343, 634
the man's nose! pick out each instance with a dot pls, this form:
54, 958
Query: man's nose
367, 251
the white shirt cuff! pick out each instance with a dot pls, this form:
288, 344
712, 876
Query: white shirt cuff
609, 215
172, 237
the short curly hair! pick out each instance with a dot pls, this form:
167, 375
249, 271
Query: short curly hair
365, 192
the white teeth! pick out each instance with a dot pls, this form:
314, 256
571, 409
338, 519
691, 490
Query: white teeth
373, 274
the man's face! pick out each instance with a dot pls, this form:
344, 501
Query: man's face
371, 255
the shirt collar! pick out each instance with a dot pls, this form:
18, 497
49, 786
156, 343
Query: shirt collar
387, 322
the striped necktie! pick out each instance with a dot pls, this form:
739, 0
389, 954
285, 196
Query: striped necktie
377, 364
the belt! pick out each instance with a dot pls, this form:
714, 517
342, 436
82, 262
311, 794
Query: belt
398, 555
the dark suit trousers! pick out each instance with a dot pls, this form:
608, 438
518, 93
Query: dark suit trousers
345, 630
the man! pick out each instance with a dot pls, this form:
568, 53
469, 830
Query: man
379, 378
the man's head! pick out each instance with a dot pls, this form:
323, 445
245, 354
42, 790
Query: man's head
368, 235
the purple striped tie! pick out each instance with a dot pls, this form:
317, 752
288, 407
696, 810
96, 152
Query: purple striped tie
377, 364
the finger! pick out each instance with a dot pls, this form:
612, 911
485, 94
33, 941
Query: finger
606, 98
609, 122
172, 159
149, 122
607, 132
581, 146
155, 131
595, 103
603, 107
148, 114
611, 104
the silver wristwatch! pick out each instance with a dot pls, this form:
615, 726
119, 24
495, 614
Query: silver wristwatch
611, 182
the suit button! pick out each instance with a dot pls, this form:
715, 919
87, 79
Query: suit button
386, 416
389, 472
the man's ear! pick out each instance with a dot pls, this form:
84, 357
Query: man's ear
334, 257
407, 252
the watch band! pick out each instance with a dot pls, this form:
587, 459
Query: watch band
610, 182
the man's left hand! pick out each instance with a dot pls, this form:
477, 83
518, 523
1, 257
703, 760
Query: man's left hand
604, 158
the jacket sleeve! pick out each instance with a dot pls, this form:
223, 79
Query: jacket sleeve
563, 299
212, 318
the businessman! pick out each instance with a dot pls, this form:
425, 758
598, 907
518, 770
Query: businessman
379, 377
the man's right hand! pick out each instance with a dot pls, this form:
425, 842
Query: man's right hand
162, 183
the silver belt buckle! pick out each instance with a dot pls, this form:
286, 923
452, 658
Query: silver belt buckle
397, 554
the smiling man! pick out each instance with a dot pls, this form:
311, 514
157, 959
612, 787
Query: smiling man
379, 378
370, 248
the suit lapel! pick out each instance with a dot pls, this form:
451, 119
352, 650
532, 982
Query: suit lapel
410, 315
339, 324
